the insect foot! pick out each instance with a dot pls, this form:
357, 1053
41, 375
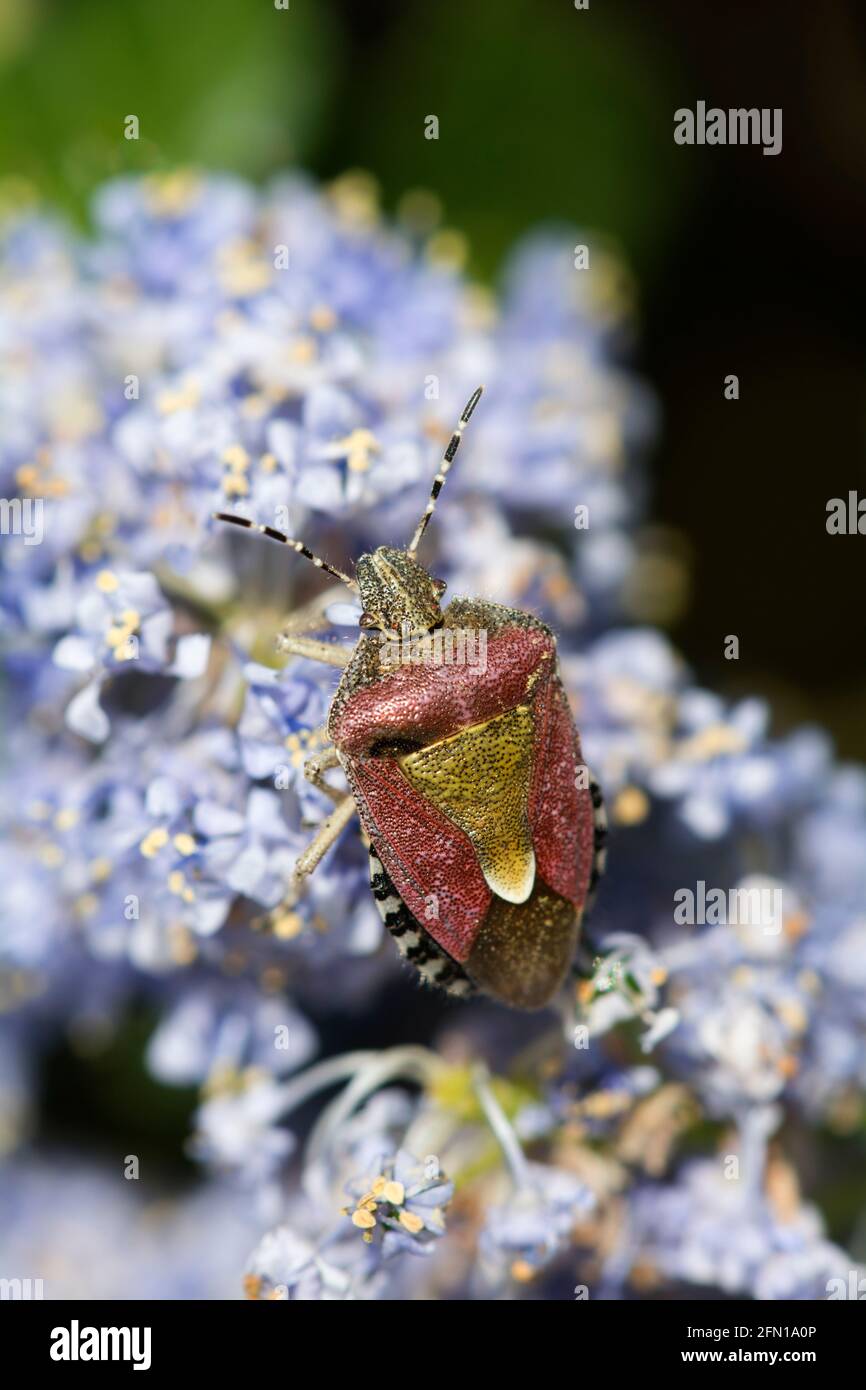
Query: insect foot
315, 768
319, 763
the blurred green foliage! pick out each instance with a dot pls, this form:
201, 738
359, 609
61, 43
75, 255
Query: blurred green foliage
243, 86
228, 84
97, 1091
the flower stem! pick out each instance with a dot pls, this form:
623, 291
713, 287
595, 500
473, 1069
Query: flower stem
514, 1156
412, 1063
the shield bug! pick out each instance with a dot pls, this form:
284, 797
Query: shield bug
486, 831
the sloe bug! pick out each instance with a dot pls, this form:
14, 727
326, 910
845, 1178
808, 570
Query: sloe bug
486, 831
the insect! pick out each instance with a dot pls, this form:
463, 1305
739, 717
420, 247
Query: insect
486, 831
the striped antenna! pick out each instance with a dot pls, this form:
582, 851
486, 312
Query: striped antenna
447, 460
297, 546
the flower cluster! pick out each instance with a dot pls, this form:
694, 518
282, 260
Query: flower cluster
293, 357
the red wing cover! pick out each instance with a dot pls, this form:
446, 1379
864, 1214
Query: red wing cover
430, 860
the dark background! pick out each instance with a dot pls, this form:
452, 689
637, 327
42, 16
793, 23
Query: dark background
742, 263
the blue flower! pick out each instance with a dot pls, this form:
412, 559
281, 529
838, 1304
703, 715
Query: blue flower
214, 1029
402, 1205
125, 619
524, 1233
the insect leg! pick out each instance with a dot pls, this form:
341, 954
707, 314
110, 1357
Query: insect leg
330, 653
329, 831
314, 768
312, 616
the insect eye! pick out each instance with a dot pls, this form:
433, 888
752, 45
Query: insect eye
366, 620
440, 586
